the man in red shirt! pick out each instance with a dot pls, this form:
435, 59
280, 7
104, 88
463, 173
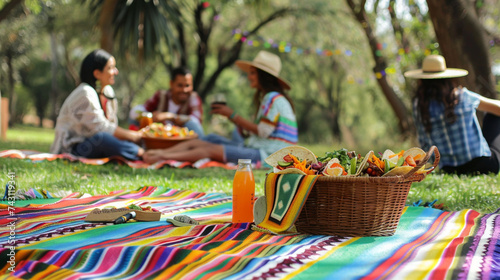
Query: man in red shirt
179, 105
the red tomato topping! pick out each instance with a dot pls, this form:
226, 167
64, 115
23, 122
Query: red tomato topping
410, 161
288, 158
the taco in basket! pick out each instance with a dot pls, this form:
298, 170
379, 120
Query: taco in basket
293, 159
334, 168
342, 163
416, 153
406, 162
363, 165
289, 170
398, 171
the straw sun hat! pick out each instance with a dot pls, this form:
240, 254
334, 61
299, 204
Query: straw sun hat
434, 67
267, 62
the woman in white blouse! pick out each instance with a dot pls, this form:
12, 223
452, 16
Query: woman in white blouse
87, 124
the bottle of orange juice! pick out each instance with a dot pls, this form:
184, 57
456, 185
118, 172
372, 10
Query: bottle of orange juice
146, 119
243, 192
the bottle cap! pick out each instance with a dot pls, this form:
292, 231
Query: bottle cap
243, 160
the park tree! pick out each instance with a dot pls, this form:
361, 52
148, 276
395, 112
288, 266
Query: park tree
463, 42
358, 9
29, 23
332, 90
227, 50
168, 32
64, 45
141, 26
15, 46
8, 7
460, 37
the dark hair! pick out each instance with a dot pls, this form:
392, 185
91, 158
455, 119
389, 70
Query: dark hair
268, 83
97, 59
183, 71
440, 90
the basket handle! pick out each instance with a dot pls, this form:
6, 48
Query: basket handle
433, 150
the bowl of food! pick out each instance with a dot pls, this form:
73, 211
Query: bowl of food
160, 136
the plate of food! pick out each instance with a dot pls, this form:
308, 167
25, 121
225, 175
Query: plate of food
160, 136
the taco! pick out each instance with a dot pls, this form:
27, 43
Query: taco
289, 170
416, 153
363, 165
339, 163
371, 166
282, 158
407, 162
334, 168
398, 171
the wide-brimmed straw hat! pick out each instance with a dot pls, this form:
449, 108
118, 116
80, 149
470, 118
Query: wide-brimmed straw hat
267, 62
434, 67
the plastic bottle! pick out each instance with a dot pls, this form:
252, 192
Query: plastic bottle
146, 119
243, 192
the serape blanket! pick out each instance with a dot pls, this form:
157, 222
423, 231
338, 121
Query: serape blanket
39, 156
285, 196
53, 242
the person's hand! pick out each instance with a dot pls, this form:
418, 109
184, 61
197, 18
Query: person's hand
220, 109
163, 116
180, 120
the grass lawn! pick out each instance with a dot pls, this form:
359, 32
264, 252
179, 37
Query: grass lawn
481, 193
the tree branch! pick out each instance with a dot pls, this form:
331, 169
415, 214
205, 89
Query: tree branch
233, 53
4, 13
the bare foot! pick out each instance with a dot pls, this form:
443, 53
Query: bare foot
152, 156
140, 152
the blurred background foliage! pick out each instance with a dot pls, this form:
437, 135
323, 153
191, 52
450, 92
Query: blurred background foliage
334, 66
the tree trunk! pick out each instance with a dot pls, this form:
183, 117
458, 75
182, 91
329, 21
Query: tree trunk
4, 13
54, 91
106, 25
399, 33
11, 93
331, 88
462, 41
202, 51
226, 57
182, 43
380, 64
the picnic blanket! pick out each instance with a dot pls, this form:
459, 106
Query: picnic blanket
284, 198
53, 241
39, 156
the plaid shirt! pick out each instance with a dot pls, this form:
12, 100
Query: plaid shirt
458, 142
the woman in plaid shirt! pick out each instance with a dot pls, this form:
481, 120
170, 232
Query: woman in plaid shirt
445, 116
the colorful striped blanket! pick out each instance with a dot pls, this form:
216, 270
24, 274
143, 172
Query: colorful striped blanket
53, 241
38, 156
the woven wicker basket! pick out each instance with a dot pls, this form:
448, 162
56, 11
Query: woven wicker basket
359, 206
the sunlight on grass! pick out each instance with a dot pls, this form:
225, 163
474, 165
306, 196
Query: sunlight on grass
24, 137
481, 193
459, 192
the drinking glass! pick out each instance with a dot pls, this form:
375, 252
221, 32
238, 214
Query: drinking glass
219, 99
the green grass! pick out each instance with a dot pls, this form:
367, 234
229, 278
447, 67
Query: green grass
481, 193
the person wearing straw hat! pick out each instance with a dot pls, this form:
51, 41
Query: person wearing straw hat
445, 116
273, 127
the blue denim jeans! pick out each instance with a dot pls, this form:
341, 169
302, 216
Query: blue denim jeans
102, 145
483, 165
234, 148
196, 127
